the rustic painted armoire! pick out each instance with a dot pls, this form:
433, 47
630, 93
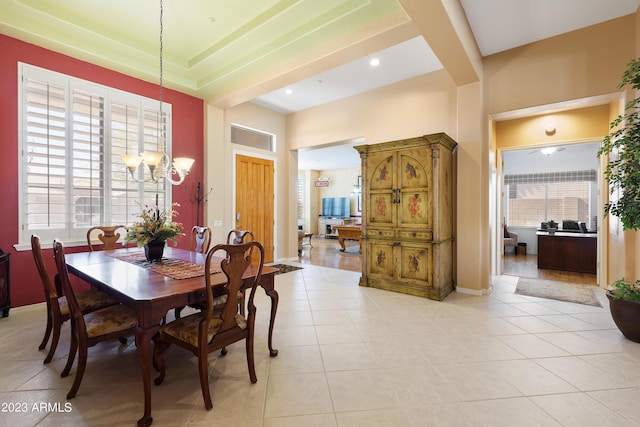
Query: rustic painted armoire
408, 215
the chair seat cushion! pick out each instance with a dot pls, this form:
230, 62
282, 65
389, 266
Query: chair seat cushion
88, 300
186, 328
110, 319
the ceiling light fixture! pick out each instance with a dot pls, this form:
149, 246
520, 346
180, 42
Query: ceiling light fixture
374, 62
158, 162
289, 91
547, 151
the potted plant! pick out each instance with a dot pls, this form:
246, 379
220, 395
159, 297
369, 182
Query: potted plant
622, 173
624, 303
153, 230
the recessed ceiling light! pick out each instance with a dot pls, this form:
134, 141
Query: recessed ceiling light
374, 62
288, 91
548, 150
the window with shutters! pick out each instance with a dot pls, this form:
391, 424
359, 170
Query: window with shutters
72, 136
558, 196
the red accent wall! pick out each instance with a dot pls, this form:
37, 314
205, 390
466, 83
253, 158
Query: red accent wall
188, 131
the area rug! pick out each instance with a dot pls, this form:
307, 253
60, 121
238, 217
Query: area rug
284, 268
561, 291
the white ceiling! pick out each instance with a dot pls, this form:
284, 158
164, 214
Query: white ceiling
229, 52
497, 25
400, 62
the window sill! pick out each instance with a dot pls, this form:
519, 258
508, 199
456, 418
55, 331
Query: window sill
68, 244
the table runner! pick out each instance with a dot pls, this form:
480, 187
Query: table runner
170, 267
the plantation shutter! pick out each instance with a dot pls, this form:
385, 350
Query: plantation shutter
73, 134
45, 171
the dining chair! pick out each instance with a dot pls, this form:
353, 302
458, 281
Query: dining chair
106, 234
200, 242
239, 236
210, 330
200, 239
88, 329
57, 306
235, 237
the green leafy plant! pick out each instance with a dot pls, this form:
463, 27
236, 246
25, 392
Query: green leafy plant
622, 146
626, 290
155, 225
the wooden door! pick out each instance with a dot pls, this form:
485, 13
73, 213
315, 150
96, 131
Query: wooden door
254, 200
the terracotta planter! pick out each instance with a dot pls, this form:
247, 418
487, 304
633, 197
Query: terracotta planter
154, 250
626, 315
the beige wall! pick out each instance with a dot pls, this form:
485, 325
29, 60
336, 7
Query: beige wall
569, 80
220, 172
574, 75
576, 65
417, 106
579, 125
583, 66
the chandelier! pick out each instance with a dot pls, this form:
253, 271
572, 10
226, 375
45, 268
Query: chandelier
158, 162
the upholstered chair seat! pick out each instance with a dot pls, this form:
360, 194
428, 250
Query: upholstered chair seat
109, 320
89, 300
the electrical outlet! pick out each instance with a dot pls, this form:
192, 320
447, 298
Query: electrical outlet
217, 223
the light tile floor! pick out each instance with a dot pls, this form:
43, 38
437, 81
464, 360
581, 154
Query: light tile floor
353, 356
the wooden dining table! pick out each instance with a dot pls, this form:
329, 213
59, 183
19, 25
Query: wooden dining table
148, 290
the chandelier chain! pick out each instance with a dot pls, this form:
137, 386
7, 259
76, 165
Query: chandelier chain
161, 31
161, 142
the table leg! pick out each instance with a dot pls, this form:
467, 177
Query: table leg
143, 340
341, 241
267, 284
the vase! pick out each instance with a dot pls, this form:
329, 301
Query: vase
626, 315
154, 249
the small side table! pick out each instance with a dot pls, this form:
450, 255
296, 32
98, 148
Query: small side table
5, 300
309, 235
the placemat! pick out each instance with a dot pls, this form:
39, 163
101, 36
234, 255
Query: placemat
170, 267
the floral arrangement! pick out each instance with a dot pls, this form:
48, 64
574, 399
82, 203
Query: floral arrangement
156, 225
623, 289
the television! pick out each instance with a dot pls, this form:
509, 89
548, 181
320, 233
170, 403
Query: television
336, 207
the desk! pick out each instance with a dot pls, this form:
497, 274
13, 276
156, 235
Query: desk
152, 295
568, 251
348, 232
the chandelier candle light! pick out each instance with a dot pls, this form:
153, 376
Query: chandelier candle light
158, 162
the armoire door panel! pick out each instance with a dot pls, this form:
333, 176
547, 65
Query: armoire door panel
414, 209
382, 259
381, 209
415, 265
415, 169
381, 177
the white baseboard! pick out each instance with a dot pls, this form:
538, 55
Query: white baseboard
477, 292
